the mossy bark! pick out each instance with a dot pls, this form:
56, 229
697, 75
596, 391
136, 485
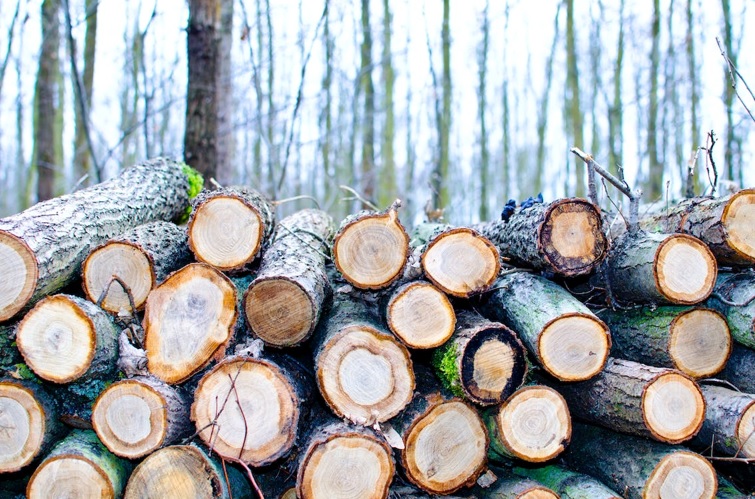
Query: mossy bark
567, 483
728, 426
739, 369
739, 291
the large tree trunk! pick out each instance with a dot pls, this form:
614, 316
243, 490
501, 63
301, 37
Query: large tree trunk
420, 315
568, 340
567, 483
42, 248
734, 296
729, 426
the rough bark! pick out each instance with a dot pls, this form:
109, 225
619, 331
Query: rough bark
567, 483
515, 487
739, 291
284, 302
729, 426
42, 248
567, 339
420, 315
9, 354
141, 257
694, 340
229, 227
739, 369
565, 237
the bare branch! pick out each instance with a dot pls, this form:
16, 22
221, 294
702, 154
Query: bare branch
358, 197
710, 163
11, 31
732, 72
689, 191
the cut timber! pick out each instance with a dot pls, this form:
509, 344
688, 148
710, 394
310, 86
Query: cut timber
533, 425
645, 267
739, 291
638, 467
185, 471
65, 338
567, 483
42, 248
460, 261
515, 487
187, 319
370, 249
636, 399
249, 409
695, 341
564, 237
135, 417
483, 361
29, 422
285, 300
729, 425
420, 315
229, 227
79, 466
363, 372
342, 461
568, 340
739, 369
141, 258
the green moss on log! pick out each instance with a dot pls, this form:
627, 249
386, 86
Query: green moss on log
196, 183
444, 362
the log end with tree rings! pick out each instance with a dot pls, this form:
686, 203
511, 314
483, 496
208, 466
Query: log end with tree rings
738, 219
682, 475
421, 315
684, 270
673, 407
700, 342
571, 237
371, 251
446, 448
23, 421
247, 409
574, 346
20, 272
279, 311
126, 261
461, 262
69, 476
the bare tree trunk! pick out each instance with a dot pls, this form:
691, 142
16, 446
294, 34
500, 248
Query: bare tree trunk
368, 179
444, 197
693, 75
226, 143
482, 104
575, 117
615, 110
388, 187
81, 152
654, 184
326, 114
731, 149
542, 113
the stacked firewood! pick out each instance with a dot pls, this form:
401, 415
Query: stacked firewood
556, 352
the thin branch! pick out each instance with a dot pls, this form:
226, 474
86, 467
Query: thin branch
358, 197
126, 289
710, 163
11, 31
296, 198
732, 70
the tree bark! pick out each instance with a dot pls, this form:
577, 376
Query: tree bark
82, 154
729, 426
739, 369
739, 291
367, 170
420, 315
515, 487
567, 483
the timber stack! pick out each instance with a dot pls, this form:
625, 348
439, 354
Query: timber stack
158, 339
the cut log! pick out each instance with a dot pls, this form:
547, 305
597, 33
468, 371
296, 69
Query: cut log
342, 461
568, 340
739, 369
638, 467
187, 319
483, 361
29, 422
284, 302
141, 258
652, 268
42, 248
186, 471
734, 296
729, 426
567, 483
695, 341
363, 372
636, 399
564, 237
135, 417
533, 425
420, 315
515, 487
65, 338
79, 466
458, 260
370, 249
229, 227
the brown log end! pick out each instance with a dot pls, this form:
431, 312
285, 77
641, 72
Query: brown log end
681, 475
461, 262
371, 251
571, 237
20, 271
574, 346
421, 316
684, 269
279, 312
673, 407
176, 471
738, 219
69, 475
22, 419
700, 342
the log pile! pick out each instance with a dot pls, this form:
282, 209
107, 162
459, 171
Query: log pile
541, 355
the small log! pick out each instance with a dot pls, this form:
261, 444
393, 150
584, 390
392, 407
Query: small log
534, 425
734, 296
229, 227
515, 487
186, 471
739, 369
65, 338
420, 315
658, 403
564, 237
42, 248
568, 340
284, 302
483, 361
729, 426
652, 268
187, 320
370, 249
141, 258
638, 467
135, 417
567, 483
79, 466
694, 340
363, 372
458, 260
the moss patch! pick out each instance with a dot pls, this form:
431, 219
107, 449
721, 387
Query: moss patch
196, 183
444, 362
22, 371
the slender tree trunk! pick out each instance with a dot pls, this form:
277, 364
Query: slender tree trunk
482, 104
616, 110
388, 185
542, 114
694, 80
444, 196
81, 153
574, 110
272, 154
226, 143
731, 152
326, 117
368, 180
654, 184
